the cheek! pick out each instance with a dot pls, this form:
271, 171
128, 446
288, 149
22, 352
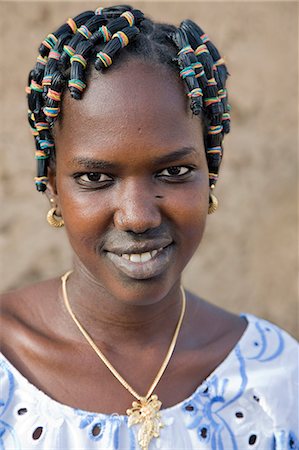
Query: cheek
191, 210
86, 221
86, 214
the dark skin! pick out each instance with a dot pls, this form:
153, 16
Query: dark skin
144, 186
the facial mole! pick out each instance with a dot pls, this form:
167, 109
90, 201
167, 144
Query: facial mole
159, 196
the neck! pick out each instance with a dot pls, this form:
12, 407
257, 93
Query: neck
144, 317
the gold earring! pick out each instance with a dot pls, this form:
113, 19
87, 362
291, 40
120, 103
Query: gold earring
53, 220
213, 204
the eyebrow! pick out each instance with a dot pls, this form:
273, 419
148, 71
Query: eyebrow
92, 164
89, 163
174, 156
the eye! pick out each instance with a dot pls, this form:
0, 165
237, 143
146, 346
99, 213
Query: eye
175, 172
93, 178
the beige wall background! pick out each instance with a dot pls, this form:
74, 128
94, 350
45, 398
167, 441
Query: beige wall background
248, 259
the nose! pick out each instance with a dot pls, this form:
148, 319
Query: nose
137, 208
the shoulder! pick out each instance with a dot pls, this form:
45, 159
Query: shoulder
266, 350
268, 358
255, 335
211, 324
258, 380
19, 301
25, 310
268, 341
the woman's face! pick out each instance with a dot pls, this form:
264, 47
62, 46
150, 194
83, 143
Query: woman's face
131, 179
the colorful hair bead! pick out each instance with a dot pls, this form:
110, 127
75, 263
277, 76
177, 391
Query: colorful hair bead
200, 74
39, 154
44, 143
105, 32
212, 82
106, 60
205, 38
54, 55
199, 66
78, 84
211, 101
50, 41
47, 80
72, 24
41, 180
185, 50
54, 95
219, 62
42, 60
80, 59
47, 44
122, 37
69, 50
40, 126
84, 31
214, 150
34, 131
28, 90
201, 49
225, 116
197, 92
213, 176
215, 129
99, 11
187, 72
129, 16
35, 86
51, 112
222, 93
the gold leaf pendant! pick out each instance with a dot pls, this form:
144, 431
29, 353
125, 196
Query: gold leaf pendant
146, 412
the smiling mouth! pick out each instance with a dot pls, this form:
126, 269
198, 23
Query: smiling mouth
143, 265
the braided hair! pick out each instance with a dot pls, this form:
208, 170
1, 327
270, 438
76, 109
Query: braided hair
96, 39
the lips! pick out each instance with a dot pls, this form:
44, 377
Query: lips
122, 246
142, 265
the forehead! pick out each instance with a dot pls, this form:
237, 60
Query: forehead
135, 104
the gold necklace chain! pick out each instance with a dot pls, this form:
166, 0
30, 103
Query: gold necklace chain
146, 410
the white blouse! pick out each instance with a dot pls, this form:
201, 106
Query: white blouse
250, 401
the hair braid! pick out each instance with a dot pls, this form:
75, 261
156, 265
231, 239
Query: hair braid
118, 40
200, 59
187, 62
69, 27
96, 39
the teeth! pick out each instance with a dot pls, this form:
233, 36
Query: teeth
145, 257
135, 257
141, 257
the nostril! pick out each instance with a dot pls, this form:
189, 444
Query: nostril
138, 216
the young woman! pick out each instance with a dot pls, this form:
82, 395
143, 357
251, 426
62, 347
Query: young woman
128, 118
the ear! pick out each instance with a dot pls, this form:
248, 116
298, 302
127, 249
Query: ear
51, 187
51, 191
